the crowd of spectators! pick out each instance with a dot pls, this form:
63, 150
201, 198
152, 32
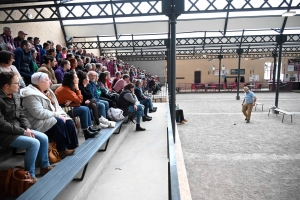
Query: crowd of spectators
48, 77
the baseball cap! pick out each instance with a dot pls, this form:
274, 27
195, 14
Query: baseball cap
22, 32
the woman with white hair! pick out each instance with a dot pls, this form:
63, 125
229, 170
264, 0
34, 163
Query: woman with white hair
44, 113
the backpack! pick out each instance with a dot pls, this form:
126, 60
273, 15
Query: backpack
115, 114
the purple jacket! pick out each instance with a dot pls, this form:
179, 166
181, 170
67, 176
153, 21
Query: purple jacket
59, 74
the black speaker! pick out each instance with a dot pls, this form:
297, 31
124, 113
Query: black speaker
167, 6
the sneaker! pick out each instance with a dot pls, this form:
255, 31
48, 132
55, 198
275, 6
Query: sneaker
184, 120
106, 122
248, 121
246, 118
103, 118
102, 126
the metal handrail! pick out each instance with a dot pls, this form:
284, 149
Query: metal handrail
173, 183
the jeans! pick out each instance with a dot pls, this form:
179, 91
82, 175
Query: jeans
179, 115
35, 148
139, 112
102, 108
106, 104
146, 103
84, 114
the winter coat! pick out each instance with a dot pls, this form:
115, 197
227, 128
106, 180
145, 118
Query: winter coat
48, 70
38, 108
13, 122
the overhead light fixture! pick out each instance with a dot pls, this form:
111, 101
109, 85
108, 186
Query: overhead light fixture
289, 13
261, 58
246, 58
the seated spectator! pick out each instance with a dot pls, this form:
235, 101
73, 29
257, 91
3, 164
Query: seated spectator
129, 104
121, 83
51, 52
93, 88
145, 100
19, 39
180, 117
64, 52
80, 65
73, 63
6, 60
15, 130
47, 67
93, 66
23, 61
89, 101
46, 47
58, 52
88, 67
69, 56
69, 93
153, 86
118, 76
98, 67
34, 55
108, 81
144, 85
43, 112
61, 70
30, 40
6, 40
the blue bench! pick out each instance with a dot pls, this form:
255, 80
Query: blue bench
54, 182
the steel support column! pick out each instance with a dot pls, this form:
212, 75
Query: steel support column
173, 18
220, 60
280, 39
239, 52
275, 55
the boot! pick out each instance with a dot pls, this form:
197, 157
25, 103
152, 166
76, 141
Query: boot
139, 128
148, 116
93, 129
65, 153
44, 171
152, 110
88, 134
145, 118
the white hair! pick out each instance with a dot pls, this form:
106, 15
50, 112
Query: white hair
38, 76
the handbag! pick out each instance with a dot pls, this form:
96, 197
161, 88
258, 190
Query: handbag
20, 181
115, 114
14, 181
53, 153
4, 182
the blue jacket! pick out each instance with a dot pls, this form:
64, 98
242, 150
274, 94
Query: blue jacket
21, 62
93, 88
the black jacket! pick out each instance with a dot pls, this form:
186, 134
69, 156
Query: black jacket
138, 93
86, 94
12, 120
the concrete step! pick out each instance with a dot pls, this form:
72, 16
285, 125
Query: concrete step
79, 190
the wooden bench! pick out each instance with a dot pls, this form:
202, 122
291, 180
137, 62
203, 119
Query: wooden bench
283, 113
56, 180
261, 104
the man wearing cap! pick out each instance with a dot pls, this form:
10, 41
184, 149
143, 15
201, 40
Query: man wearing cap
248, 103
19, 39
6, 40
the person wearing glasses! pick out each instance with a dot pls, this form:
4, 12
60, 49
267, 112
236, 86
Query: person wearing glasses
15, 129
6, 60
44, 113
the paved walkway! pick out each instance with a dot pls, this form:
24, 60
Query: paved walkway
229, 159
139, 168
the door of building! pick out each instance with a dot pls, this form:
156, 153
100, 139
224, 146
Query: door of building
197, 77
